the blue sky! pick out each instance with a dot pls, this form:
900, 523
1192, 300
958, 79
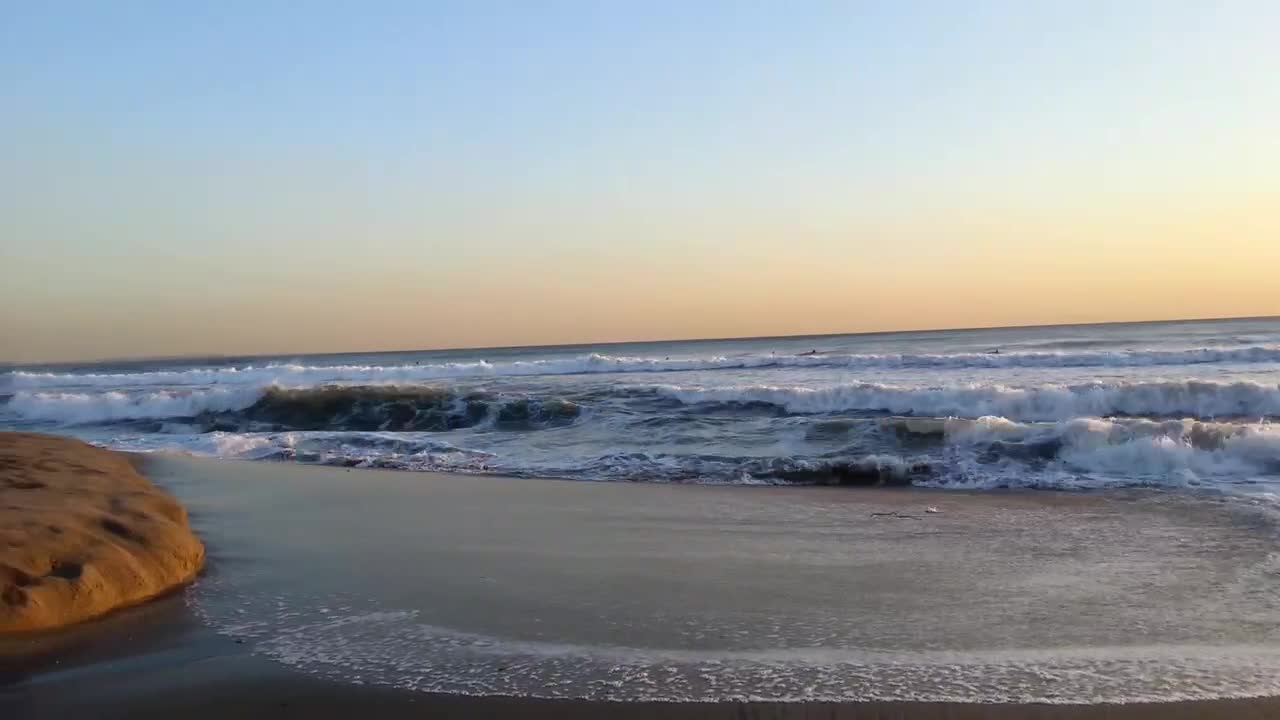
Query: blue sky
327, 176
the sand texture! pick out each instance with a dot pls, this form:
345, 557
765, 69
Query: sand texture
83, 533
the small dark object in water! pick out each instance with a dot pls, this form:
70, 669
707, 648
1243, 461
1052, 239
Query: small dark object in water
854, 474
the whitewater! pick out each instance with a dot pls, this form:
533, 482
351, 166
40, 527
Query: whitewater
1192, 405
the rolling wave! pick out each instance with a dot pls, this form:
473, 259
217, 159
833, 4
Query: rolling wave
327, 407
292, 374
976, 454
1195, 399
1189, 433
1117, 451
423, 407
86, 408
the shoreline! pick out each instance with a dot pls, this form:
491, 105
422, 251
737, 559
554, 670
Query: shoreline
171, 665
220, 680
161, 659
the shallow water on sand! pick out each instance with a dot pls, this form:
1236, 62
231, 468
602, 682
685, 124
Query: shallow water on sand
490, 585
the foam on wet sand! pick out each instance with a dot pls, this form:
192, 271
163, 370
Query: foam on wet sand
334, 591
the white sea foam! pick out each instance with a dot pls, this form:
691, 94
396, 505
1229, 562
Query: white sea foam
1159, 460
1084, 453
1092, 431
1192, 399
598, 363
1170, 453
79, 408
1099, 452
403, 451
354, 645
1197, 399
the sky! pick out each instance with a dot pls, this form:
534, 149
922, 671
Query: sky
271, 177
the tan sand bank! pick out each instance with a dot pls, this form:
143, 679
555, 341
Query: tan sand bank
82, 533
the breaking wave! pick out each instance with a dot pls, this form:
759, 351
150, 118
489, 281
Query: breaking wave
293, 374
84, 408
427, 407
1092, 452
1195, 399
971, 454
327, 407
1181, 434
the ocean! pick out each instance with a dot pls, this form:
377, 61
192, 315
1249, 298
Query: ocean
1176, 405
589, 537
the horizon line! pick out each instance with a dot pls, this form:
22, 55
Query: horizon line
868, 333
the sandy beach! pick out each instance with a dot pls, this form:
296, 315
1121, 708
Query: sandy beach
913, 361
332, 591
157, 661
82, 533
239, 686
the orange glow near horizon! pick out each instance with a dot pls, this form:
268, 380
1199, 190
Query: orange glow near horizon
940, 274
433, 177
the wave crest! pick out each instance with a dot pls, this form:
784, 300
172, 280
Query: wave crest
1195, 399
294, 374
327, 407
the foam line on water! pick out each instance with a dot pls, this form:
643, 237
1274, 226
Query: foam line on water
290, 373
1193, 398
395, 648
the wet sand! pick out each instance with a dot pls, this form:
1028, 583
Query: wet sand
158, 662
215, 689
542, 567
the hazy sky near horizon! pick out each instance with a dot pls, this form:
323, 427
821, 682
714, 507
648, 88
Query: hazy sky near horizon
275, 177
